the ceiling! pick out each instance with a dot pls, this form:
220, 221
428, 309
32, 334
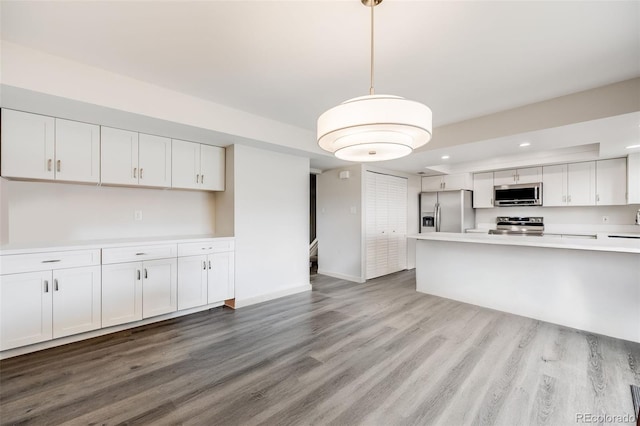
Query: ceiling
292, 60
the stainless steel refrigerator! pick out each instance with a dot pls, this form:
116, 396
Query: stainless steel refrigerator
446, 211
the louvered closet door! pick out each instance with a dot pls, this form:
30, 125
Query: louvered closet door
386, 224
371, 239
397, 213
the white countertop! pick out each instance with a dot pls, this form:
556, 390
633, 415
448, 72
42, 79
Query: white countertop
22, 248
623, 245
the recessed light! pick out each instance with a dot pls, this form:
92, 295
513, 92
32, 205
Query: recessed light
632, 146
445, 157
523, 144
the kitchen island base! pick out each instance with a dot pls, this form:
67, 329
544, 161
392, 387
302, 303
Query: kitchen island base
591, 290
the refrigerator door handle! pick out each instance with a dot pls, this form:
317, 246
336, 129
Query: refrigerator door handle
437, 215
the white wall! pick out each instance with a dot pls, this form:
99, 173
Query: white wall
34, 212
271, 197
339, 223
588, 219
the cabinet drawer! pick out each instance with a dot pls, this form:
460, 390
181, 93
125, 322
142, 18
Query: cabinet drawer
17, 263
137, 253
206, 247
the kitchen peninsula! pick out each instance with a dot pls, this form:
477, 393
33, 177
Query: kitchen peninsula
591, 285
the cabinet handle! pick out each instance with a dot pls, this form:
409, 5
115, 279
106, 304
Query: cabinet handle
58, 163
201, 178
135, 172
146, 275
138, 271
141, 173
46, 286
140, 254
597, 197
51, 261
204, 264
55, 284
197, 178
209, 264
568, 198
49, 161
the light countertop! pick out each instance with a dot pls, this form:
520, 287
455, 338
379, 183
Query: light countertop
622, 245
22, 248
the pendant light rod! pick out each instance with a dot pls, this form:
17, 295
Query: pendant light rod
371, 89
371, 4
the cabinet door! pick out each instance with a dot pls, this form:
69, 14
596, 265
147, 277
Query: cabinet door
504, 177
212, 167
76, 300
431, 183
25, 315
185, 161
77, 156
529, 175
121, 293
611, 182
159, 287
221, 276
554, 185
377, 239
27, 145
483, 190
192, 281
119, 156
581, 184
154, 161
457, 181
633, 178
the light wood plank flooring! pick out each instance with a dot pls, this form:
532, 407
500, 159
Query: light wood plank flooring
344, 354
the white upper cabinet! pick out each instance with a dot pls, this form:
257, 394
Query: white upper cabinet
39, 147
154, 161
483, 190
633, 178
212, 167
581, 184
452, 182
554, 185
119, 156
569, 184
197, 166
516, 176
611, 182
77, 151
129, 158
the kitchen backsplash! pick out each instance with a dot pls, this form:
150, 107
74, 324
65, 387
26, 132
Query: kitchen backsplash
569, 219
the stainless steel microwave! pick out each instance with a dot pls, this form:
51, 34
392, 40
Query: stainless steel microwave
525, 194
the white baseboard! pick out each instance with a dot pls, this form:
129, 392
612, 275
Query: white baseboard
241, 303
352, 278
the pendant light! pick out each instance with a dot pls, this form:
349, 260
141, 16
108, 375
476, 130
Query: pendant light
374, 127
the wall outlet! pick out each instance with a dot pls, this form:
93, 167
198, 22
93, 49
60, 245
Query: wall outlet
137, 215
605, 219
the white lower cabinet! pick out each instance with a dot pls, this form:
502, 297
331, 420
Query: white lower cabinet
121, 293
206, 272
43, 305
132, 291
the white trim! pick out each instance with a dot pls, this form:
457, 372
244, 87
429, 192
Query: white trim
270, 296
352, 278
101, 332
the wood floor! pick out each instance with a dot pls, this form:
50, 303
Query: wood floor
344, 354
